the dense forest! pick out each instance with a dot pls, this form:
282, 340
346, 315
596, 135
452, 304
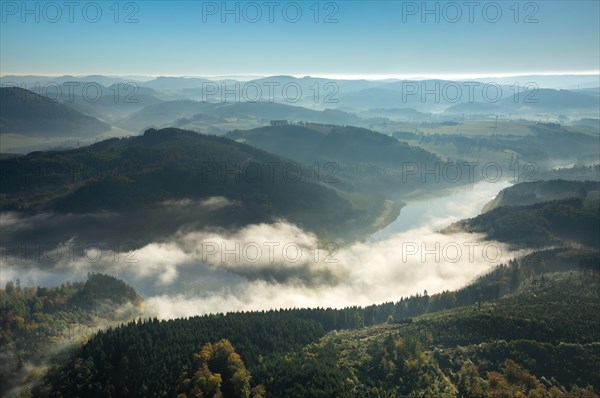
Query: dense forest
529, 193
24, 111
36, 321
172, 170
526, 327
571, 221
364, 160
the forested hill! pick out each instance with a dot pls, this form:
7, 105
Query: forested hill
39, 321
528, 193
365, 160
25, 112
297, 353
572, 221
172, 167
312, 142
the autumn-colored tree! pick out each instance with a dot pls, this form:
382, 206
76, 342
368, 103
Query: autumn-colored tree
470, 384
218, 371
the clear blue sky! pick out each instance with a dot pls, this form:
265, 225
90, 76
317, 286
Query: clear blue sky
369, 39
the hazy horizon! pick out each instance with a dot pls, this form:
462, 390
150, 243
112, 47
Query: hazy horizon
460, 76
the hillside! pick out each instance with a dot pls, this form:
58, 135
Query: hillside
534, 101
27, 113
250, 113
315, 143
157, 115
546, 145
575, 173
169, 173
549, 100
538, 342
114, 102
568, 222
529, 193
364, 160
533, 318
38, 322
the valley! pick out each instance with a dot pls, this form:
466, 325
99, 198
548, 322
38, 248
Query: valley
340, 199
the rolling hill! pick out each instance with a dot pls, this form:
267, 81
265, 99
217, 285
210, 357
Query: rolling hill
261, 113
541, 191
565, 222
363, 160
39, 322
564, 102
107, 103
27, 113
169, 173
525, 328
315, 143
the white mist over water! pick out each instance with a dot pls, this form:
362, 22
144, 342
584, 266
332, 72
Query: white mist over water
404, 258
178, 278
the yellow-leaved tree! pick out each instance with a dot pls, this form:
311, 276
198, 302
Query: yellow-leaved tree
218, 372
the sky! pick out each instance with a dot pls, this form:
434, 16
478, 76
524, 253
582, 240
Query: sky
329, 39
